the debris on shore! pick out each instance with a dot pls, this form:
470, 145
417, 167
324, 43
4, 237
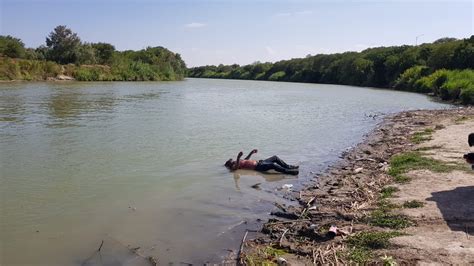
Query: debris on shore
343, 215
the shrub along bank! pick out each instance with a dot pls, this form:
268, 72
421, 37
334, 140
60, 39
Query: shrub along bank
443, 68
66, 54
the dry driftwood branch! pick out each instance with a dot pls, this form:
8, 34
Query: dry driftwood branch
279, 206
239, 255
315, 256
365, 159
100, 247
282, 236
321, 256
93, 254
310, 201
288, 222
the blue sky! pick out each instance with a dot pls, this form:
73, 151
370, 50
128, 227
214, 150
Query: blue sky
242, 32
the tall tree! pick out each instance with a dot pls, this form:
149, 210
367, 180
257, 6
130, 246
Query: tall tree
11, 47
63, 45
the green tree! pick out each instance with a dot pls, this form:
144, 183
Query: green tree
11, 47
463, 56
444, 40
86, 54
103, 52
41, 52
63, 45
442, 54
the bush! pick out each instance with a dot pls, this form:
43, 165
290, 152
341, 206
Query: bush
9, 70
467, 95
51, 69
456, 83
20, 69
90, 72
408, 79
277, 76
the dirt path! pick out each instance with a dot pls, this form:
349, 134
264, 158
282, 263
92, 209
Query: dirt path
417, 152
445, 224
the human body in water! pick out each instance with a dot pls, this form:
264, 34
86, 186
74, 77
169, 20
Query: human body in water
272, 163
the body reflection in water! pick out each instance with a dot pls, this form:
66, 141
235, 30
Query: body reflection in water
268, 177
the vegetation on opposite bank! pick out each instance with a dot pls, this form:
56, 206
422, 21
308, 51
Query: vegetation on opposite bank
443, 68
65, 54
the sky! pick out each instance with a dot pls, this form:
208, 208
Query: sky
208, 32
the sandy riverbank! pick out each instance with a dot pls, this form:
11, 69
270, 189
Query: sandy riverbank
403, 195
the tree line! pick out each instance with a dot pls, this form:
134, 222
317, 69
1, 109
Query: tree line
65, 53
444, 68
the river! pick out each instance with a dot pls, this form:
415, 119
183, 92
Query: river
141, 164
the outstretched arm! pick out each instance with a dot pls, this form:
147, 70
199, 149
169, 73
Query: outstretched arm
251, 153
237, 163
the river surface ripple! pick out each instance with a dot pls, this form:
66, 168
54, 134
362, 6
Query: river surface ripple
141, 164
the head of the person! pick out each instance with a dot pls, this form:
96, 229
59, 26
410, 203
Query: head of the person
229, 163
471, 139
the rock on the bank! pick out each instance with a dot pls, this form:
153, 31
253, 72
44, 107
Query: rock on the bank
64, 77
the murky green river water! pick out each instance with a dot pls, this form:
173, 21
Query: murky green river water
140, 164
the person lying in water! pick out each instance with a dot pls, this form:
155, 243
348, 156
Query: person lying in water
272, 163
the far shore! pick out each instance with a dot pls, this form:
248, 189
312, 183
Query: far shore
65, 78
404, 195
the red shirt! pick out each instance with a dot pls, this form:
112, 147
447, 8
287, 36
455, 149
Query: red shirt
247, 164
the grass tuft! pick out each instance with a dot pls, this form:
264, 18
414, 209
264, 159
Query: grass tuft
387, 192
405, 162
462, 119
428, 148
413, 204
359, 255
386, 205
265, 256
383, 218
362, 244
372, 240
419, 137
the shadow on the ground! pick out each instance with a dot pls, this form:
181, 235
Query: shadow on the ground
457, 208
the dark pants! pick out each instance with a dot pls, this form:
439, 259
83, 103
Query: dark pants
277, 164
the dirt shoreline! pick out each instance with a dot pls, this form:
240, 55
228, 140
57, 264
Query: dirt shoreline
349, 196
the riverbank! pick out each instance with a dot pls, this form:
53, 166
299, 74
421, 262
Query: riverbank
15, 69
403, 195
443, 68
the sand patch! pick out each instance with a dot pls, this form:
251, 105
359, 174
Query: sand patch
445, 224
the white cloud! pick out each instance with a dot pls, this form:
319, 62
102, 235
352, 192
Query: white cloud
195, 25
270, 50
